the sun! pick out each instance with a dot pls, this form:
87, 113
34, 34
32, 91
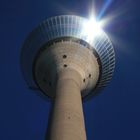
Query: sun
91, 29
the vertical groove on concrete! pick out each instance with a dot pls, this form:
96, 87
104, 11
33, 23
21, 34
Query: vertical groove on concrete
67, 119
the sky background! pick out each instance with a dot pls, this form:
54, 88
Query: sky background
114, 114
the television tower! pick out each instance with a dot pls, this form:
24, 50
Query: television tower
68, 65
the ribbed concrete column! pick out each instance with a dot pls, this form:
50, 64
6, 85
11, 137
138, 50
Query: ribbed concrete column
67, 119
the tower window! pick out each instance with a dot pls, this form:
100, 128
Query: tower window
89, 75
65, 65
84, 80
64, 56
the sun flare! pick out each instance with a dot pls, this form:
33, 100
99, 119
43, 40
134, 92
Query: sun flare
92, 29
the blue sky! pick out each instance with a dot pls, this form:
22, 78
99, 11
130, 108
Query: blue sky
114, 114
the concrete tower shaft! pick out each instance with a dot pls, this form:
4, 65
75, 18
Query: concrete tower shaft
58, 59
67, 119
62, 71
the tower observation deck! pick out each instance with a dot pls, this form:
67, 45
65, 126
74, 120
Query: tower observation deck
59, 60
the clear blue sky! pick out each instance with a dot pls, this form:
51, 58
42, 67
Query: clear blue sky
114, 114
